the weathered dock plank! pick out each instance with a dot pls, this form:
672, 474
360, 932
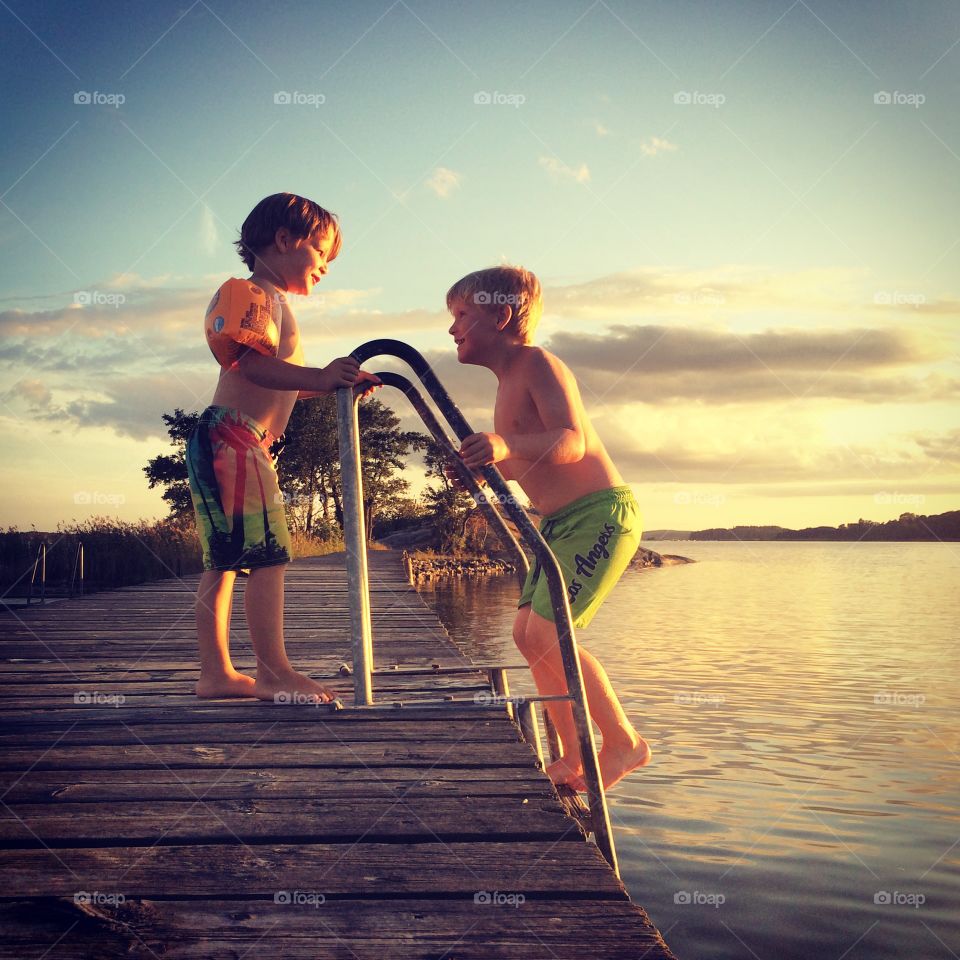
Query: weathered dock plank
139, 821
338, 928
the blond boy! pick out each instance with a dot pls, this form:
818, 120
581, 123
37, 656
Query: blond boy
287, 243
544, 440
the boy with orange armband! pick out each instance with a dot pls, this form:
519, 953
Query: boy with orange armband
287, 243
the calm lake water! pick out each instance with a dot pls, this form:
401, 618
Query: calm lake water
802, 702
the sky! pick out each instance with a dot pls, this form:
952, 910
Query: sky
745, 218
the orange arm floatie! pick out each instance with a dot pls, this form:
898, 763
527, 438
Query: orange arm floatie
240, 315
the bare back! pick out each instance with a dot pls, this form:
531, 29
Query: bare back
270, 408
550, 486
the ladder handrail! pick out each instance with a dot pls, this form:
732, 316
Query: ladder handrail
391, 379
355, 541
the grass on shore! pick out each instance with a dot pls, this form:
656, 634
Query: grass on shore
115, 553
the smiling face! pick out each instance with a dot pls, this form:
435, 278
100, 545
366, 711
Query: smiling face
296, 264
308, 260
476, 331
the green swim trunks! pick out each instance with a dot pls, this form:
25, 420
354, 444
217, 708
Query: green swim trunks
236, 494
594, 539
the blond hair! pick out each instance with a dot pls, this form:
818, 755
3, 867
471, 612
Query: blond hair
503, 286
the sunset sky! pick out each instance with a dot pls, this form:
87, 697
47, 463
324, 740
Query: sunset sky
748, 261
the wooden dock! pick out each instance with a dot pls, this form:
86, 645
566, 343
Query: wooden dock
138, 821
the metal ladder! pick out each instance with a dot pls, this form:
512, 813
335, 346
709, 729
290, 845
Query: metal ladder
359, 588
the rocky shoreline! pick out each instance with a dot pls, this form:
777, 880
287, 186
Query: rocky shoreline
644, 558
434, 567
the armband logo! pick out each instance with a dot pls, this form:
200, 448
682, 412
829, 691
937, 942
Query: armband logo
218, 324
255, 318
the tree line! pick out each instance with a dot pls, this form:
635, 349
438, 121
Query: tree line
307, 458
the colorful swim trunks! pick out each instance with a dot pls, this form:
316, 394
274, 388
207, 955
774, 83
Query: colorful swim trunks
236, 493
594, 539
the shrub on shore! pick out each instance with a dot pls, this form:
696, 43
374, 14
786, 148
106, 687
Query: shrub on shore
115, 554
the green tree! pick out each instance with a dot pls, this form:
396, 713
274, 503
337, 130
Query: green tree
309, 463
309, 459
383, 449
169, 470
450, 509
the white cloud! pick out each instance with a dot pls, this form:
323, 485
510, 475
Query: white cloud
443, 181
209, 238
656, 291
600, 129
558, 170
654, 145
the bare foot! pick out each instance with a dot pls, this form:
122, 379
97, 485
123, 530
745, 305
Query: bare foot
564, 770
231, 684
292, 687
617, 761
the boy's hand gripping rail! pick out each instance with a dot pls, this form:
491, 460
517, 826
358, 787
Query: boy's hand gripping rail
355, 541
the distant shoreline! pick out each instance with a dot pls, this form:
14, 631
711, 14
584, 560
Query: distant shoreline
908, 528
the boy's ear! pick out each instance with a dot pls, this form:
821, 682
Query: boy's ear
282, 239
504, 315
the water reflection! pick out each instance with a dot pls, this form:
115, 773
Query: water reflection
801, 699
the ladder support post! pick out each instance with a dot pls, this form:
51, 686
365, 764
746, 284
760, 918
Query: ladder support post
501, 687
553, 742
530, 728
355, 541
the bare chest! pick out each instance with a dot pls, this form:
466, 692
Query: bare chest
289, 347
515, 411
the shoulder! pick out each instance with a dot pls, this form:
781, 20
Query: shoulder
540, 363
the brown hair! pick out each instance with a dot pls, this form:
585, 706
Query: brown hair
496, 286
302, 217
